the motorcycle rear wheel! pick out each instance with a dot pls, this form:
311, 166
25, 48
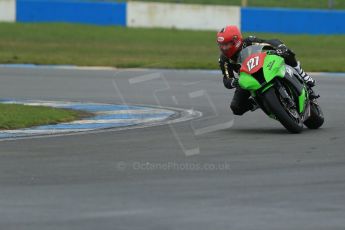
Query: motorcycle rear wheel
316, 118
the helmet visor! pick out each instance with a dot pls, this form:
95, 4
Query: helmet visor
225, 46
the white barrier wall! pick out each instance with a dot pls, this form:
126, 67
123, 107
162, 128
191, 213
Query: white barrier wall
181, 16
7, 10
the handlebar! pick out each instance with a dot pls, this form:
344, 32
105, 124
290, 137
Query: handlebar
273, 52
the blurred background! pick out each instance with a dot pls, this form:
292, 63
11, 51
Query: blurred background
165, 33
332, 4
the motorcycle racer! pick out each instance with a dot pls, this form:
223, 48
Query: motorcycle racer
230, 43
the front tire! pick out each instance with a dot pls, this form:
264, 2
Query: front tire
275, 106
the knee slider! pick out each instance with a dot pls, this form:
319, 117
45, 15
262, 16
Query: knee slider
237, 110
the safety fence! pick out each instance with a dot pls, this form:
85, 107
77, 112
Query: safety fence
179, 16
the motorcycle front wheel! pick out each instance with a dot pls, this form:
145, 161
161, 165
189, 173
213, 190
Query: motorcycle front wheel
283, 115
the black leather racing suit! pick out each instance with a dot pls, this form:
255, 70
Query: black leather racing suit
241, 102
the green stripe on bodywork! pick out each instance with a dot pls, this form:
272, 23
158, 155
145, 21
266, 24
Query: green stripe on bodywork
248, 82
267, 87
274, 66
301, 101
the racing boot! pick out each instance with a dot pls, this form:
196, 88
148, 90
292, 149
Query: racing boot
307, 79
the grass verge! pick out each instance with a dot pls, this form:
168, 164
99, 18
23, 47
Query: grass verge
16, 116
150, 48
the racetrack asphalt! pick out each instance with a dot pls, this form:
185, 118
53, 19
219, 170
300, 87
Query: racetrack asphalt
250, 174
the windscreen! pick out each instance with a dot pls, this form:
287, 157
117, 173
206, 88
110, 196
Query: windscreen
246, 52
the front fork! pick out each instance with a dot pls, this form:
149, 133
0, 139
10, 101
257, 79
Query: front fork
285, 96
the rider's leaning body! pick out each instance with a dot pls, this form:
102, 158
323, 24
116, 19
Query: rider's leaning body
231, 42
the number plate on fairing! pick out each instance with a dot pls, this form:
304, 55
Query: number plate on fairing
253, 63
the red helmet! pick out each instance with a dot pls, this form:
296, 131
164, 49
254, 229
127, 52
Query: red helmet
229, 40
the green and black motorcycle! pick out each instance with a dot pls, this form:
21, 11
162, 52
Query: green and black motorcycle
278, 89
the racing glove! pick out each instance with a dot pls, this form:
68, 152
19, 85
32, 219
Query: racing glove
282, 50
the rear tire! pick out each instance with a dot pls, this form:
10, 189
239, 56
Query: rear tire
274, 105
316, 118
